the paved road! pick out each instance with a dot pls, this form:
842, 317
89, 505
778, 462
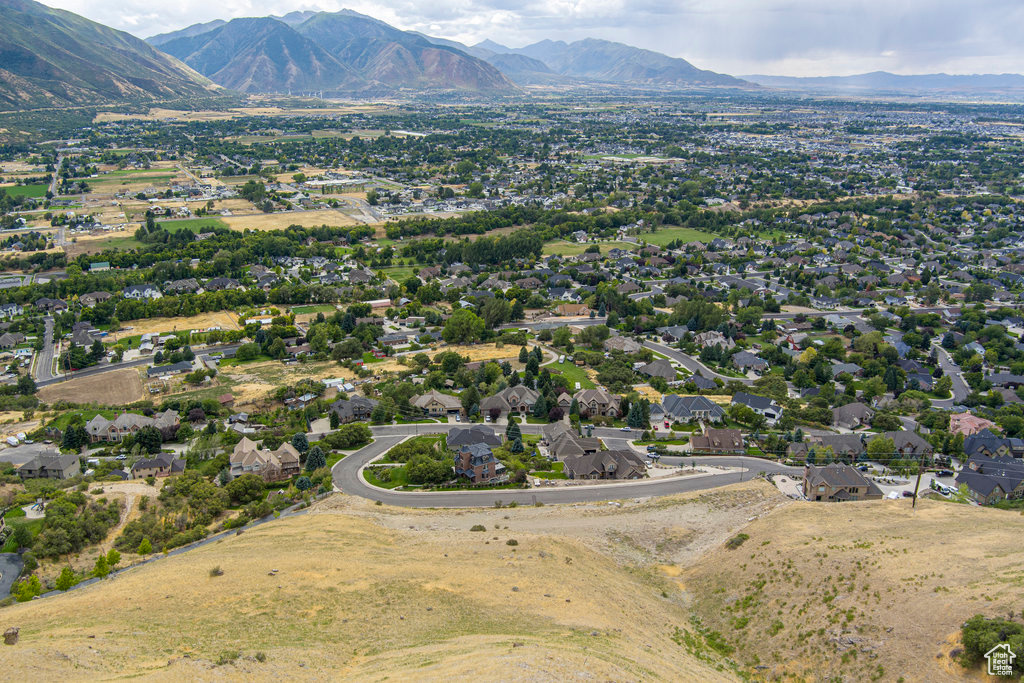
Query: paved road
109, 367
44, 359
346, 478
692, 364
952, 370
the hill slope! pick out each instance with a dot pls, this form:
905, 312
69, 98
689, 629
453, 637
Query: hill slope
371, 603
859, 591
262, 55
53, 58
188, 32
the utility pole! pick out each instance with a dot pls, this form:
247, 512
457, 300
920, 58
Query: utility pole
918, 484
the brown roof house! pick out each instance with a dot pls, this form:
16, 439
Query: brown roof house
519, 399
248, 458
852, 415
597, 402
125, 424
838, 483
162, 465
51, 466
620, 464
436, 404
718, 442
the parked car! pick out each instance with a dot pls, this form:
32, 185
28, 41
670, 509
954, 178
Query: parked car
944, 473
625, 429
908, 494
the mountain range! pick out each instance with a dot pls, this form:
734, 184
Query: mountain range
367, 54
53, 58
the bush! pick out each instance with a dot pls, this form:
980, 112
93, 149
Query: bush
511, 541
245, 489
478, 527
216, 571
736, 541
980, 634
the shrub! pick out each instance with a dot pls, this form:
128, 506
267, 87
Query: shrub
478, 527
980, 634
216, 571
511, 541
736, 541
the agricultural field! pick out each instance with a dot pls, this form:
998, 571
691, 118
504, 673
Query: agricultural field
35, 191
193, 224
226, 320
665, 235
313, 309
564, 248
279, 221
113, 388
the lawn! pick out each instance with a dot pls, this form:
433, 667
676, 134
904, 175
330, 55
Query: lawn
572, 374
192, 224
38, 190
665, 235
34, 525
64, 420
315, 308
556, 472
563, 248
398, 478
230, 362
400, 273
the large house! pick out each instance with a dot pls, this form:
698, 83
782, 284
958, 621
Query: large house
718, 442
562, 441
619, 464
247, 458
744, 360
687, 408
461, 436
477, 463
991, 479
141, 292
51, 466
967, 424
162, 465
765, 407
837, 483
852, 415
519, 399
436, 404
355, 408
597, 402
659, 367
100, 428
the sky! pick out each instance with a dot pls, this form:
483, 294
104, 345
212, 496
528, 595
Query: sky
739, 37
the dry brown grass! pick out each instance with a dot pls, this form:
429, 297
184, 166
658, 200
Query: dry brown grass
280, 221
861, 589
226, 320
370, 604
114, 388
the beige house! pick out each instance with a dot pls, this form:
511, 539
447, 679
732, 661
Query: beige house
837, 483
248, 458
436, 404
100, 428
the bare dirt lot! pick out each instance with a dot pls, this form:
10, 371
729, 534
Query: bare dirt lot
114, 388
225, 320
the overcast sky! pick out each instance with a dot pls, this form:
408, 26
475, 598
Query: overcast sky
783, 37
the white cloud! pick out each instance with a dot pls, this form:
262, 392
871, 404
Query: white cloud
797, 37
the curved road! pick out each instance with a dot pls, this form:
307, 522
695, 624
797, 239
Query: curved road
692, 364
347, 477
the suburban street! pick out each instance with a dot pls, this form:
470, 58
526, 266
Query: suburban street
44, 359
952, 370
692, 364
347, 476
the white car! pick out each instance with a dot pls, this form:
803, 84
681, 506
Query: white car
625, 429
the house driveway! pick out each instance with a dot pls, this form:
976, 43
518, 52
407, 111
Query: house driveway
10, 570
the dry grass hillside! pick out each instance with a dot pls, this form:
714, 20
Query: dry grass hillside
861, 591
353, 599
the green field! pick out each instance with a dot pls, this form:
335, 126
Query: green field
563, 248
124, 243
125, 177
26, 190
400, 273
315, 308
666, 235
194, 224
572, 375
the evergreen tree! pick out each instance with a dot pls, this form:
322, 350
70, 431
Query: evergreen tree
538, 355
67, 579
315, 459
145, 548
540, 408
513, 379
102, 569
513, 432
517, 446
574, 407
523, 355
300, 442
335, 421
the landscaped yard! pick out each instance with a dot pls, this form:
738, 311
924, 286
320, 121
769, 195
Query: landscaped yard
315, 308
572, 374
557, 472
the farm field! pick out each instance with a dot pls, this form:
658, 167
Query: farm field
226, 320
194, 224
114, 388
38, 190
564, 248
280, 221
94, 244
313, 308
665, 235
